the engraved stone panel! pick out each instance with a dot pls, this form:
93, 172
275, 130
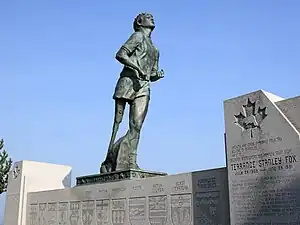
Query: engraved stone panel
137, 211
102, 211
207, 206
74, 213
263, 153
154, 201
42, 213
158, 209
118, 211
12, 207
63, 213
181, 207
88, 209
211, 201
33, 216
52, 213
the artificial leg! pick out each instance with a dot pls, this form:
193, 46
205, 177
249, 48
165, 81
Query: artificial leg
109, 162
119, 112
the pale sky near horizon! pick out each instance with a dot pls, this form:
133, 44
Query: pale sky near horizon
58, 74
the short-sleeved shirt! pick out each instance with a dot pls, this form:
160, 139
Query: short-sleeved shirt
142, 52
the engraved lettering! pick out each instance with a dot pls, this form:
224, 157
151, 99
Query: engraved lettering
157, 188
207, 183
137, 188
180, 186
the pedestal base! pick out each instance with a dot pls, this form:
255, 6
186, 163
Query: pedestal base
119, 175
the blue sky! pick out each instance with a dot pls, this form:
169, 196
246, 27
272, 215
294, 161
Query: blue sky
58, 74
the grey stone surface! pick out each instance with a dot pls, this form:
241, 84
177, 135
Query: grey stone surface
291, 108
13, 195
263, 152
183, 199
211, 200
30, 176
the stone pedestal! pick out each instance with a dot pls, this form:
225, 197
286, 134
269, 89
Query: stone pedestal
117, 176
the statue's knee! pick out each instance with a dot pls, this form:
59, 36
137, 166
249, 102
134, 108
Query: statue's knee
136, 127
118, 120
119, 116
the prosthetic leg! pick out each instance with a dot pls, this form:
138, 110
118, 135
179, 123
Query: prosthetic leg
108, 164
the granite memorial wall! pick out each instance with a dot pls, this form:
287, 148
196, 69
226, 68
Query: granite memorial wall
191, 198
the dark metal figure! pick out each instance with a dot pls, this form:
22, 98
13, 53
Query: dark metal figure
140, 59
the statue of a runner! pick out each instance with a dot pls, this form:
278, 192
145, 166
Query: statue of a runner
140, 59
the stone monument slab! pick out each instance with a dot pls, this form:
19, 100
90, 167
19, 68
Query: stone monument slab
211, 200
263, 153
29, 176
175, 199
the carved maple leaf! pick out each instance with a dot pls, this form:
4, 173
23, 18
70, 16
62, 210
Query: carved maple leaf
261, 114
250, 119
240, 119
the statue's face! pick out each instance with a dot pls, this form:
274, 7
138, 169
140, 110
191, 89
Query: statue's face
147, 21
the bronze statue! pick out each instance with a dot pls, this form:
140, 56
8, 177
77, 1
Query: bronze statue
140, 59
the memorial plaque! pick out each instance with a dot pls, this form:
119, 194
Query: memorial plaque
88, 208
137, 211
211, 203
263, 153
118, 211
63, 213
102, 210
207, 206
158, 210
33, 217
42, 213
52, 213
74, 212
181, 207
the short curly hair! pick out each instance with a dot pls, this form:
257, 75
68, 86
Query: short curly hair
137, 19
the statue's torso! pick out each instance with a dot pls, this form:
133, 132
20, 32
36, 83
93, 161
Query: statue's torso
144, 56
129, 86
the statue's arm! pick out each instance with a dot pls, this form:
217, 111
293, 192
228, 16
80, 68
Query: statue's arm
127, 49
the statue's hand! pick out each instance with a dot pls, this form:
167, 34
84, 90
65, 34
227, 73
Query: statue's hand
143, 75
160, 74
